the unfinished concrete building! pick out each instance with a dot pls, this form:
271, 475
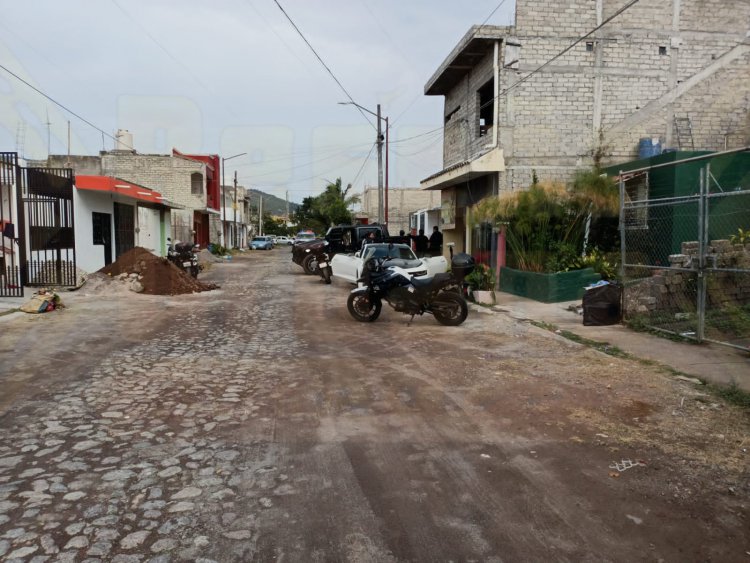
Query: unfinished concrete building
667, 74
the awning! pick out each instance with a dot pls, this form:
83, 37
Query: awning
209, 211
123, 188
492, 161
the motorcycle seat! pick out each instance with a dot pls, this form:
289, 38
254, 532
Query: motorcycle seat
424, 282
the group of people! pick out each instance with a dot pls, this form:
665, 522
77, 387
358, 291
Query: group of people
423, 246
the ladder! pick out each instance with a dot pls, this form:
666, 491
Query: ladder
684, 129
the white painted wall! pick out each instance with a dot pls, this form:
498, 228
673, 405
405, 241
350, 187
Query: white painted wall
90, 256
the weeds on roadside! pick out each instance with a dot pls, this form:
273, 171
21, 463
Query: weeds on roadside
732, 394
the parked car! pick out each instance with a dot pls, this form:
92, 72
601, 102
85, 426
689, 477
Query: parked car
261, 243
348, 267
282, 240
304, 236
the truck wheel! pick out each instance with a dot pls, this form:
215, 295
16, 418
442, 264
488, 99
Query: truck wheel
310, 264
362, 308
449, 308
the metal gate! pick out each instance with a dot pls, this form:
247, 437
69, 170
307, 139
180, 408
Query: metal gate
10, 272
685, 236
48, 255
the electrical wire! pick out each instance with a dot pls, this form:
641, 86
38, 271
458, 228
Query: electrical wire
344, 90
63, 107
560, 54
361, 168
430, 132
492, 13
162, 47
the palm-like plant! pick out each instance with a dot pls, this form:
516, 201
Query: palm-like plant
546, 214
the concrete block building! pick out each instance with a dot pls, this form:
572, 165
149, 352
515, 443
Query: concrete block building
402, 202
189, 181
668, 74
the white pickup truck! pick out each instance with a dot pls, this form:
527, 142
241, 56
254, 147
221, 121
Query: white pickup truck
348, 267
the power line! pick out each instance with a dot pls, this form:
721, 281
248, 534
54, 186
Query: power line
323, 63
70, 111
361, 168
430, 132
561, 53
492, 13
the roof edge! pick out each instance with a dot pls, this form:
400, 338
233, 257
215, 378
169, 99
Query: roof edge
489, 32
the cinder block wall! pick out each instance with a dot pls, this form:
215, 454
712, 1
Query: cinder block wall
602, 99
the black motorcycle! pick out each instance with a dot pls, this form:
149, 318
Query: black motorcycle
323, 262
184, 255
438, 295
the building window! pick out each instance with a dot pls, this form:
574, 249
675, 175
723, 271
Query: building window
196, 183
486, 110
662, 50
589, 46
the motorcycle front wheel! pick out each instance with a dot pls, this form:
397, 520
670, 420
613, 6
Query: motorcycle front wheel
363, 308
449, 308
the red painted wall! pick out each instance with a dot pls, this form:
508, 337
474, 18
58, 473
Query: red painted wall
213, 175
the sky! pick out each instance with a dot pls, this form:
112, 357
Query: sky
233, 76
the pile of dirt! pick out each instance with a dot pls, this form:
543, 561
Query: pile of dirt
156, 275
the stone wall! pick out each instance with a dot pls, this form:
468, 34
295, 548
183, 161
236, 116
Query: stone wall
675, 290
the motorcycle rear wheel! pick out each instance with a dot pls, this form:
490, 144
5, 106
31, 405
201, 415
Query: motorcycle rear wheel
449, 309
363, 308
327, 274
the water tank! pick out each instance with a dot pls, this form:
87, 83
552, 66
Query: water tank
124, 140
648, 147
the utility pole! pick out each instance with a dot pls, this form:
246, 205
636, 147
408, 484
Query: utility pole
286, 217
234, 215
224, 233
380, 170
260, 215
386, 171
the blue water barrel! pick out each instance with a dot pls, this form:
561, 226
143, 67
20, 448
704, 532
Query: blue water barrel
648, 147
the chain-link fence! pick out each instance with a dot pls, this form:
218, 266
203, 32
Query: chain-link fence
685, 236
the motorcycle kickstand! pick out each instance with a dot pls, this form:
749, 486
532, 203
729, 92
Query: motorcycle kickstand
410, 320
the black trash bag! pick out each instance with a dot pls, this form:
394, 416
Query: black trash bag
602, 305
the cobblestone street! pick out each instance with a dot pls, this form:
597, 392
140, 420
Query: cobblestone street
259, 422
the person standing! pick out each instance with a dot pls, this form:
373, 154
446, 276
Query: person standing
421, 243
436, 242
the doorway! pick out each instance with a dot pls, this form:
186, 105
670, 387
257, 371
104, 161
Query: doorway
102, 227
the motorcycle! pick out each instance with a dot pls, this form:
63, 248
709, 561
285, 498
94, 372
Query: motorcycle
184, 255
438, 295
324, 263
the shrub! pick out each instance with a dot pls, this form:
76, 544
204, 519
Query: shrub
482, 278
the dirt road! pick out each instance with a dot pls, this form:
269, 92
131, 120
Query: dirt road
261, 423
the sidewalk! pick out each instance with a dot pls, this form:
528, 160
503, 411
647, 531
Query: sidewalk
8, 304
710, 362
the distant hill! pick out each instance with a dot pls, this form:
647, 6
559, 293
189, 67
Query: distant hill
272, 205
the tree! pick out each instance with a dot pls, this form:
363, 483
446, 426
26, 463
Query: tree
327, 209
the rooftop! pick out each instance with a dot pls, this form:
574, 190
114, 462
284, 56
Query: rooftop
466, 55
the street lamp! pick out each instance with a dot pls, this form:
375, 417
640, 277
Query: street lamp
382, 207
223, 202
